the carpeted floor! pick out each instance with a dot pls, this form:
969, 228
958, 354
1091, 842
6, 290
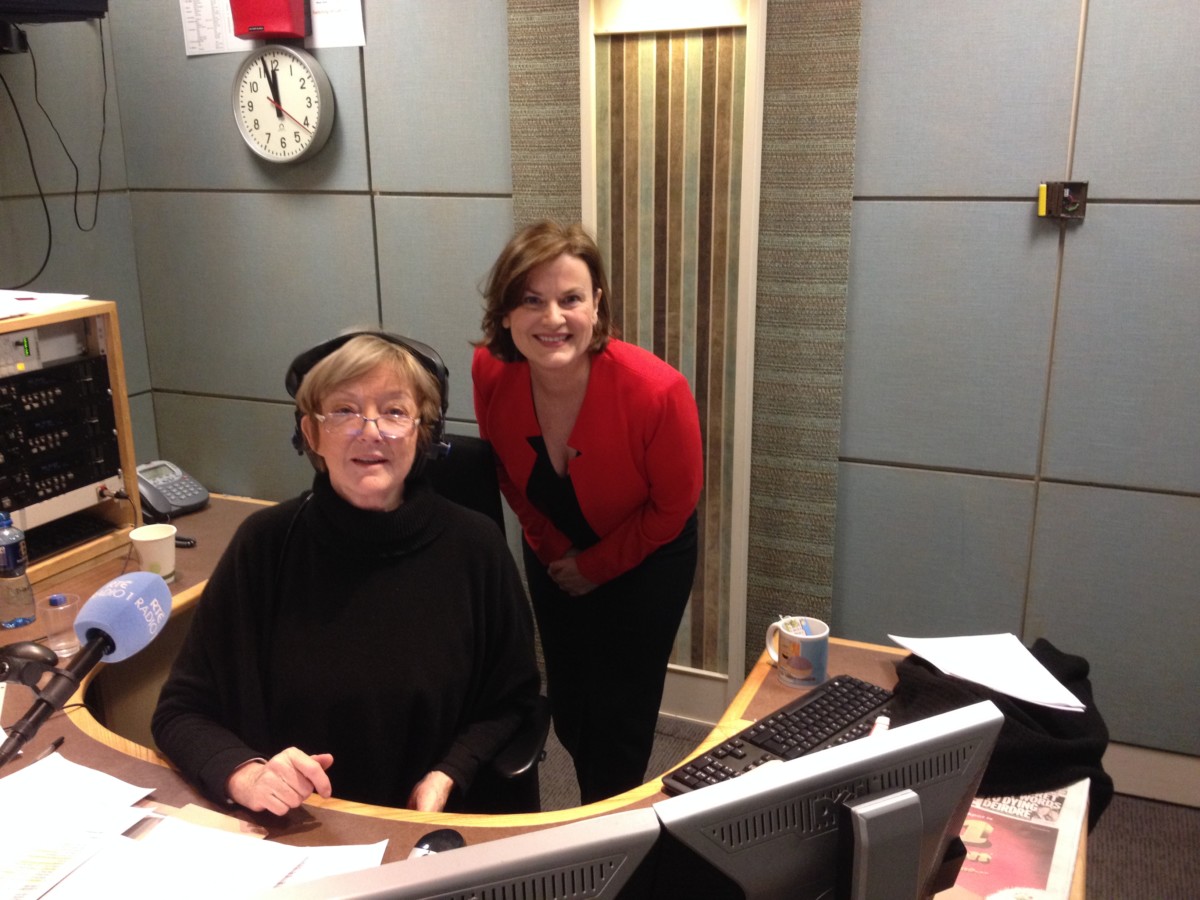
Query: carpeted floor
673, 740
1140, 849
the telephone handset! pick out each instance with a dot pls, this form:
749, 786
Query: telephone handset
168, 491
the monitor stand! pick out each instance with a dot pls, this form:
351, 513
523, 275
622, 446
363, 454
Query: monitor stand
886, 832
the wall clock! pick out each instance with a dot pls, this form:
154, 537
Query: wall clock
283, 103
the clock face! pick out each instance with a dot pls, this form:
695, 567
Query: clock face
283, 103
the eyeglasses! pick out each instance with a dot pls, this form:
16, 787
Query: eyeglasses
392, 426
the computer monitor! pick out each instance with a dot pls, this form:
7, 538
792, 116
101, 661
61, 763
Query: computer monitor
598, 859
874, 818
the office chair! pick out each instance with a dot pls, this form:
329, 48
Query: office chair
466, 474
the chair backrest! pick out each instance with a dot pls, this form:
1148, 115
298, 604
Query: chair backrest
466, 474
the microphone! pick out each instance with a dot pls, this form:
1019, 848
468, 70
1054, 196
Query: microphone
116, 622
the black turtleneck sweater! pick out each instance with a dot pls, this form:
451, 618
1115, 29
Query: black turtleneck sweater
400, 642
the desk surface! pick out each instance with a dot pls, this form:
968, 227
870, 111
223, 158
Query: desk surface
332, 822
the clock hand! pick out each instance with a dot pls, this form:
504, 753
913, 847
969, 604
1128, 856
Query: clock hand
273, 83
283, 112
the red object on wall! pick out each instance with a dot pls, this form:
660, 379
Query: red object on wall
270, 18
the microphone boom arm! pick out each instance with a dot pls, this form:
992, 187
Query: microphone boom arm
54, 696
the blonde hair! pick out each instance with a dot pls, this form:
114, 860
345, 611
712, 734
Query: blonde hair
363, 354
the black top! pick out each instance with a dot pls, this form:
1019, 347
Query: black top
400, 642
554, 495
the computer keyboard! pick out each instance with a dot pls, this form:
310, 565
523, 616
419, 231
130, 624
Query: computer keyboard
841, 709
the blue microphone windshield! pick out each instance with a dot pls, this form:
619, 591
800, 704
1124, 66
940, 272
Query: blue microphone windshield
131, 610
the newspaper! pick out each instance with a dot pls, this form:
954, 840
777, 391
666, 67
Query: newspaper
1022, 848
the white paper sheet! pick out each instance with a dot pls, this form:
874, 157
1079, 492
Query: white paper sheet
68, 814
180, 860
208, 26
997, 661
27, 303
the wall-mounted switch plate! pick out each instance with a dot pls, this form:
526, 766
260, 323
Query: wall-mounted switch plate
1062, 199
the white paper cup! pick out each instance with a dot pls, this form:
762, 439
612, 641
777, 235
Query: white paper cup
156, 549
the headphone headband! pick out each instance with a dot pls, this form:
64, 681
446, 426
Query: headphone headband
429, 358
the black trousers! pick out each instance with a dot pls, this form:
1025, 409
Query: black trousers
606, 661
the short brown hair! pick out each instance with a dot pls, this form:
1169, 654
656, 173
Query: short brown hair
533, 246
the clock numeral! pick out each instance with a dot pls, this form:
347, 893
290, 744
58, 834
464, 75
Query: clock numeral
283, 143
257, 127
254, 87
303, 84
249, 106
308, 102
296, 136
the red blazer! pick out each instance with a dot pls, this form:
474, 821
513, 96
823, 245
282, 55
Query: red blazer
639, 470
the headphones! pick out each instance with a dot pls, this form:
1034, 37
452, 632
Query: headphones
422, 353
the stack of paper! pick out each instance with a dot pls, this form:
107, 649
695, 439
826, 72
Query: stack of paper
996, 661
65, 829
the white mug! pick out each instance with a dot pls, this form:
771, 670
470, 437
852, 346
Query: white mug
802, 656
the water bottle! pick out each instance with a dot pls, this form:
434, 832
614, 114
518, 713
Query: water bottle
17, 606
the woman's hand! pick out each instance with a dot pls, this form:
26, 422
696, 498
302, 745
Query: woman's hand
281, 783
431, 792
565, 573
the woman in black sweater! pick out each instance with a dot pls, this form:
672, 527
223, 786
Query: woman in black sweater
370, 638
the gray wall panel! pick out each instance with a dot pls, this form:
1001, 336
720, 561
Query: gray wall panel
95, 263
70, 86
238, 284
211, 433
437, 90
947, 334
184, 134
1139, 122
1115, 579
145, 437
1125, 395
928, 554
964, 99
435, 253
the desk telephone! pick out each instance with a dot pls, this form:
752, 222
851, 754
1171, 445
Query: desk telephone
168, 491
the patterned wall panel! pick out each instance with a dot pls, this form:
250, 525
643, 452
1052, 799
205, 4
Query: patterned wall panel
669, 163
543, 97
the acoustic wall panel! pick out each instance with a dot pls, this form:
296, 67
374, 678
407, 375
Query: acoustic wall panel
929, 554
948, 326
437, 95
232, 446
235, 285
81, 102
1124, 403
96, 263
1115, 578
964, 99
434, 257
1139, 123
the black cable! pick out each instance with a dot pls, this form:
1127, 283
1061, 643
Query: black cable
36, 180
33, 166
63, 144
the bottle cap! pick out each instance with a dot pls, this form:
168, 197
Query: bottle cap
58, 599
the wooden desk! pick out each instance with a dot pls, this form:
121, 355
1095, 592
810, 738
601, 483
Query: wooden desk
332, 822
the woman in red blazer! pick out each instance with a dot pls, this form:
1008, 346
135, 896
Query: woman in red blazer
598, 447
